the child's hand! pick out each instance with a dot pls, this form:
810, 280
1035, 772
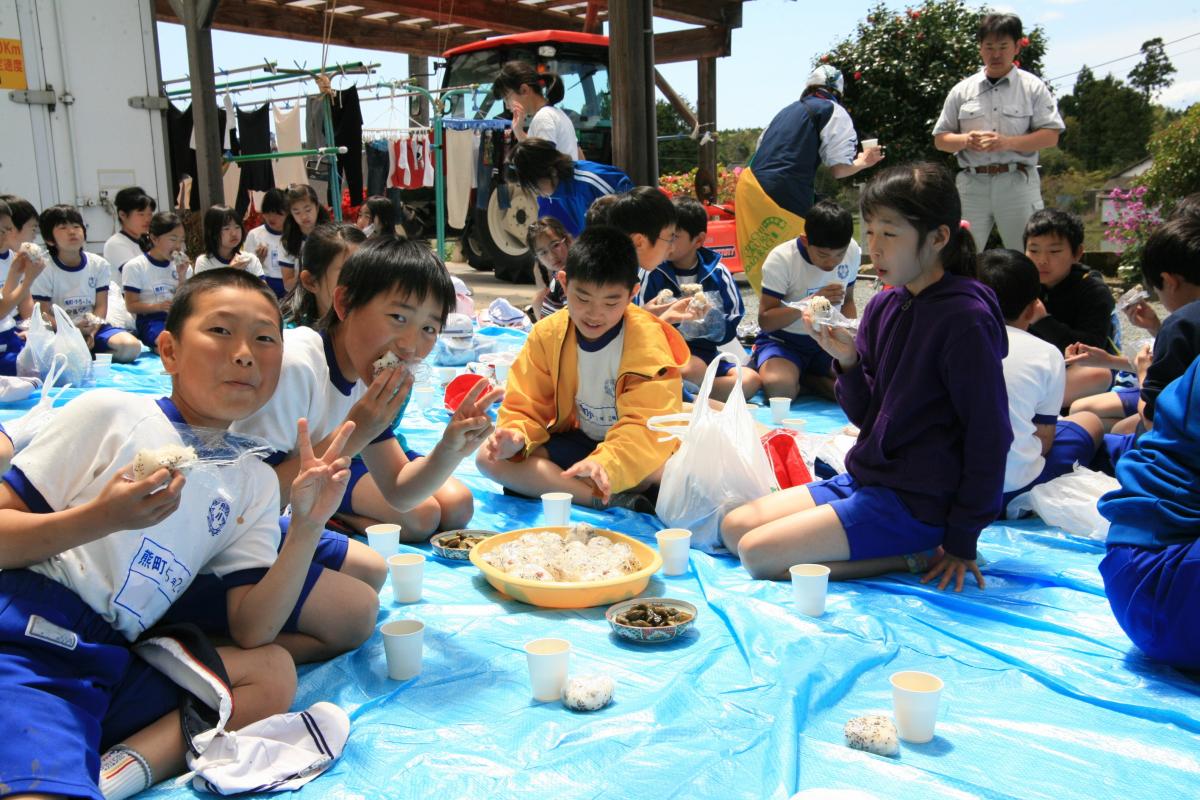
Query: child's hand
838, 342
1144, 316
518, 112
503, 444
680, 310
321, 482
129, 505
1143, 359
376, 410
591, 473
1088, 356
1039, 312
262, 251
834, 292
953, 568
470, 425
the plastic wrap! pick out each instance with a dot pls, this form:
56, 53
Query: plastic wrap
711, 324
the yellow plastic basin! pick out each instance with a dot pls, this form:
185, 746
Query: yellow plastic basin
568, 594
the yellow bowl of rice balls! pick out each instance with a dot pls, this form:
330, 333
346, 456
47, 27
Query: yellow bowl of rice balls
576, 566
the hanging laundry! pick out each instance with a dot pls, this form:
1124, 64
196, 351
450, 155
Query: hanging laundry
314, 122
378, 167
230, 181
182, 152
229, 129
254, 133
406, 161
287, 139
347, 126
397, 156
430, 171
460, 174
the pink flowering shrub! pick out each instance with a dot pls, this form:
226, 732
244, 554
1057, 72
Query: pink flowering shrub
1132, 224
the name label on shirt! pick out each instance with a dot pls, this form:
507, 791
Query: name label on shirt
45, 630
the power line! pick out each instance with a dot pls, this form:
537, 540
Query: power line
1123, 58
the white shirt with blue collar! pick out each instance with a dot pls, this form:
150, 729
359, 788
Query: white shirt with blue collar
73, 289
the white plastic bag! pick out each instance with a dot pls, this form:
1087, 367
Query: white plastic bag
720, 464
42, 344
22, 429
1069, 502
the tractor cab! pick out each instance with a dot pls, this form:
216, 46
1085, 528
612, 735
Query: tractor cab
494, 236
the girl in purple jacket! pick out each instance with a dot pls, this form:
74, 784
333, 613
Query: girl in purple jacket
923, 383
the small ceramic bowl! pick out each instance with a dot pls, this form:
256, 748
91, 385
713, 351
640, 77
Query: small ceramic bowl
650, 635
455, 553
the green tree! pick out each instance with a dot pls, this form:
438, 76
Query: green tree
675, 156
1176, 152
1153, 73
899, 66
736, 146
1108, 123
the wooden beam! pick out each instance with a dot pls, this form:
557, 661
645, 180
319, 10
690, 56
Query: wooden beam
496, 15
691, 45
267, 18
706, 111
701, 12
418, 71
675, 100
196, 16
631, 77
591, 19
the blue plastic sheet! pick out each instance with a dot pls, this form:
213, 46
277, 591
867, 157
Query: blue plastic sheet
1045, 697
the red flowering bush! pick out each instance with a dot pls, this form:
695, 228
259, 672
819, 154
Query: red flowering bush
685, 183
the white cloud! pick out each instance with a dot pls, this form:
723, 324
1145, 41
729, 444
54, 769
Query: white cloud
1180, 94
1051, 15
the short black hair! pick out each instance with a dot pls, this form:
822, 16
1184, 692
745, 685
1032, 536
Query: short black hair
535, 160
133, 198
184, 302
163, 222
690, 216
273, 202
597, 213
1014, 278
1055, 222
644, 210
1186, 206
52, 217
1173, 248
326, 242
215, 220
603, 256
5, 211
829, 225
1007, 25
385, 264
383, 215
19, 209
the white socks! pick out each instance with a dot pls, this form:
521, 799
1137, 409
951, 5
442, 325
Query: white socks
123, 773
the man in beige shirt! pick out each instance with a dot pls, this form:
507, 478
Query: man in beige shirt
996, 121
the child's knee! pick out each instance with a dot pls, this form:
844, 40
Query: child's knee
359, 608
736, 524
457, 505
274, 678
1090, 423
421, 521
366, 565
755, 558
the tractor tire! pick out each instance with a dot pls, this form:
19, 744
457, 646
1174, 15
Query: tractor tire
473, 250
500, 234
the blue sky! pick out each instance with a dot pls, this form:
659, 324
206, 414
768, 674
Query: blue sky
775, 47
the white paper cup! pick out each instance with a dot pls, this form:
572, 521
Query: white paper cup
795, 423
780, 408
408, 573
384, 538
403, 641
809, 584
445, 375
424, 395
556, 507
102, 366
548, 660
673, 546
867, 144
502, 372
915, 697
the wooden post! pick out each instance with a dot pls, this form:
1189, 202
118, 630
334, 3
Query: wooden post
631, 74
706, 112
418, 71
197, 18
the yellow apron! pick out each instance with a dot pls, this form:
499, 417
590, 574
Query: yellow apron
761, 226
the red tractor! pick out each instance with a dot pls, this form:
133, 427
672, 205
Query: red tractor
494, 237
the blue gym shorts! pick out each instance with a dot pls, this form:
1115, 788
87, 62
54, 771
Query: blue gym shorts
11, 346
568, 449
1154, 595
70, 688
204, 603
706, 351
809, 358
148, 329
876, 521
1072, 444
358, 469
103, 334
1129, 399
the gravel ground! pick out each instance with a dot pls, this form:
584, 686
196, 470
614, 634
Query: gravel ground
865, 289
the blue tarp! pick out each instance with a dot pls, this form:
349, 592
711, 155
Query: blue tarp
1045, 696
